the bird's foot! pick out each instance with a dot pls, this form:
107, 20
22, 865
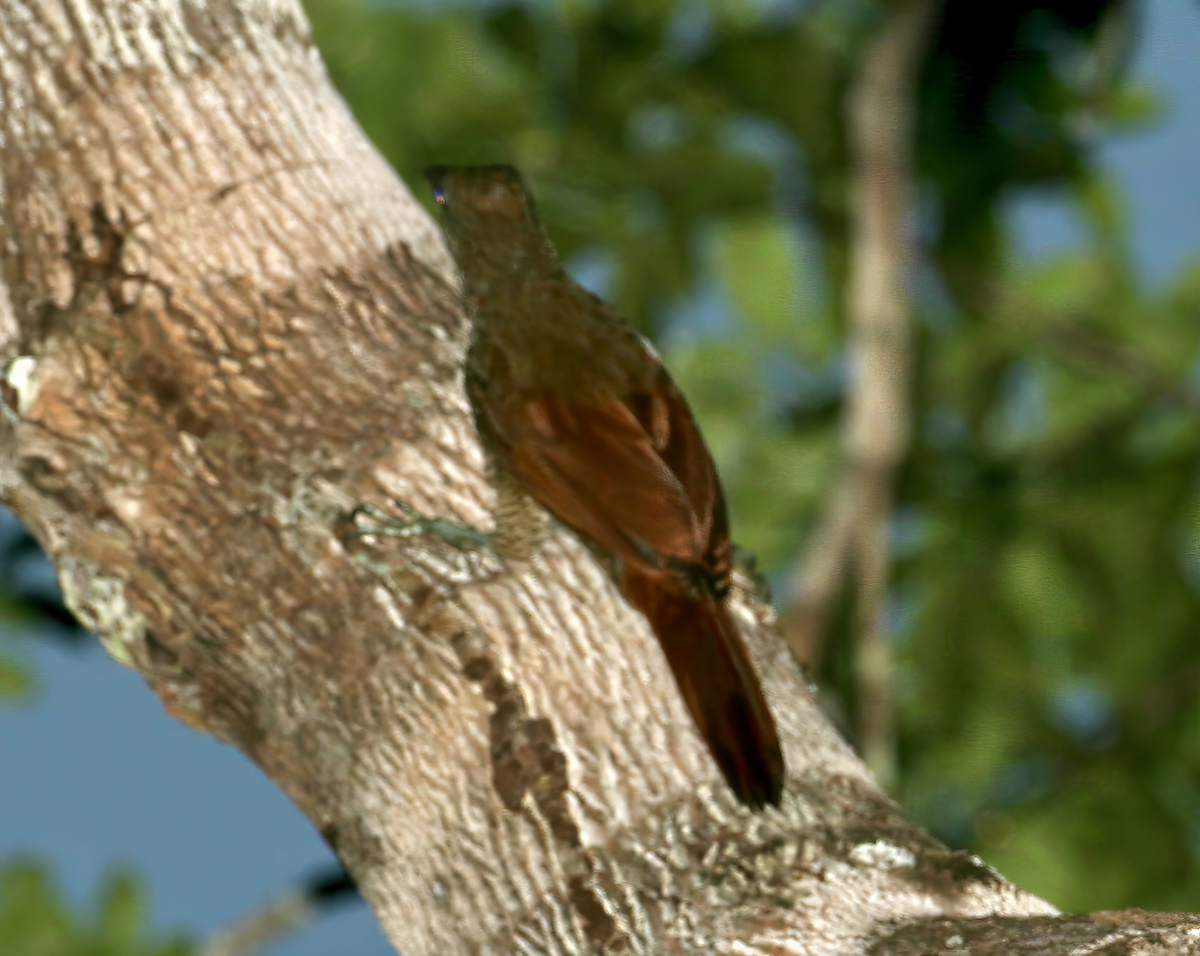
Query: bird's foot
413, 525
754, 581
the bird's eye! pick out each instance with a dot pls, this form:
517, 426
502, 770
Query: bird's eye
441, 199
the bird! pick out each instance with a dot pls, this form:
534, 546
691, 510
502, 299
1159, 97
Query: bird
575, 411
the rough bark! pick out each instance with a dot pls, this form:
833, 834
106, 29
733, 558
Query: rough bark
226, 323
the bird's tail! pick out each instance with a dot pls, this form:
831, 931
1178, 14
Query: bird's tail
717, 679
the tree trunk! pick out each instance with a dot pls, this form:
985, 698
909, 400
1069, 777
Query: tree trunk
227, 323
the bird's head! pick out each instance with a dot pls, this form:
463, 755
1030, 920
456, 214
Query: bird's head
488, 216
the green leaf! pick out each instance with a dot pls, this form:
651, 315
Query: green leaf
35, 919
18, 683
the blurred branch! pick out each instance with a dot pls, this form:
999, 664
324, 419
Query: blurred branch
819, 577
875, 428
283, 916
1072, 341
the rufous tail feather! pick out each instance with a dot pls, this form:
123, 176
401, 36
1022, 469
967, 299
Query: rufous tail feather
717, 679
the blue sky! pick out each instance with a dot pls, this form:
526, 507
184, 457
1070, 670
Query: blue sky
1156, 169
95, 774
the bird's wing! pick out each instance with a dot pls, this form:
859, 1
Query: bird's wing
634, 476
664, 414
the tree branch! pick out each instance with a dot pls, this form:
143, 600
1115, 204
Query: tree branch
852, 533
283, 916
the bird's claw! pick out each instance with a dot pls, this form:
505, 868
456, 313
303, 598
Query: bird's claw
413, 524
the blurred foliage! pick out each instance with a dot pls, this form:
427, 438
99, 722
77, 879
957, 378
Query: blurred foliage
16, 683
690, 158
30, 603
35, 920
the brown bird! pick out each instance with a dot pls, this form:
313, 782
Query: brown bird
575, 409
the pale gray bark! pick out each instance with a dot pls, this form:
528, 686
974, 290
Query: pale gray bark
229, 323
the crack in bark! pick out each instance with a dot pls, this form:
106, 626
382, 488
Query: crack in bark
530, 774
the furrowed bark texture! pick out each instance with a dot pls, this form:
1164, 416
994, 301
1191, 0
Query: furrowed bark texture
226, 322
